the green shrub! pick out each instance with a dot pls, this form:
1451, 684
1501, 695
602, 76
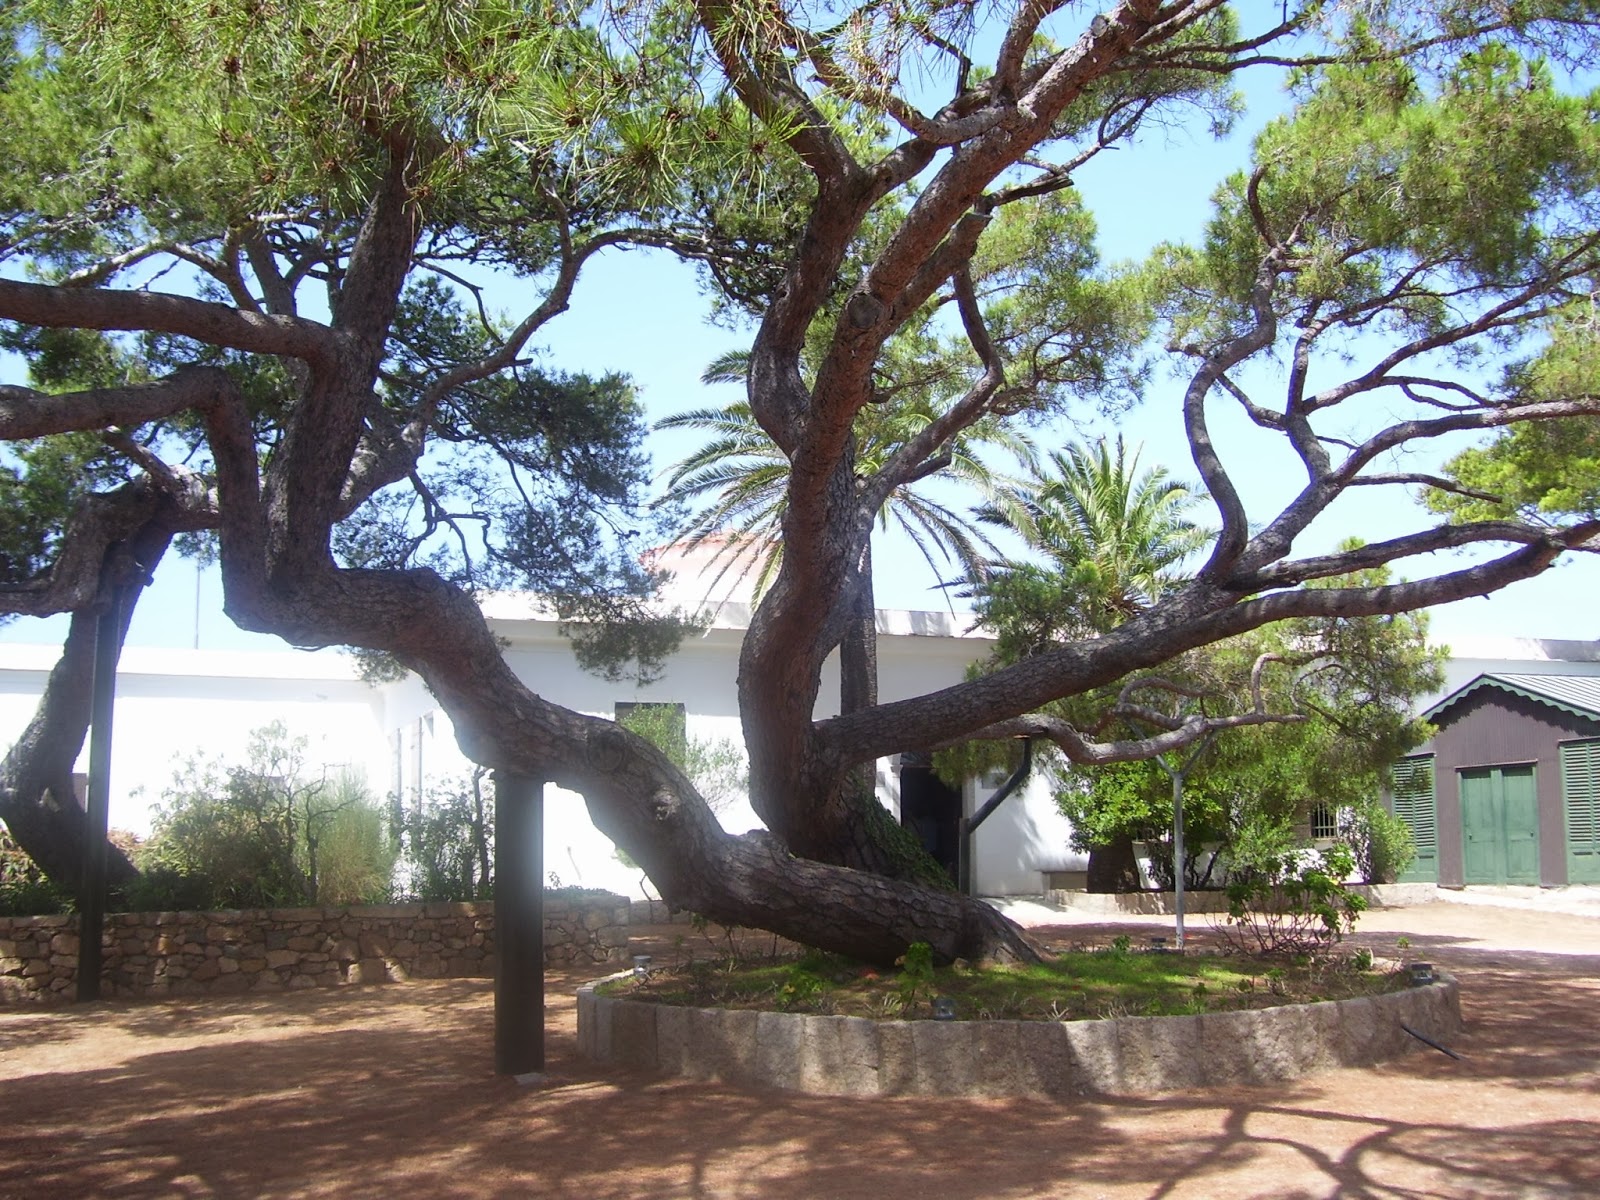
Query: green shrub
1297, 906
447, 843
1381, 842
916, 973
265, 834
799, 989
24, 889
32, 898
162, 888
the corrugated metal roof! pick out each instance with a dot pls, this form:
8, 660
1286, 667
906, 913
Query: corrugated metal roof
1580, 691
1576, 694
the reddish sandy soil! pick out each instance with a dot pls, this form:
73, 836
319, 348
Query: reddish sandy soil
388, 1091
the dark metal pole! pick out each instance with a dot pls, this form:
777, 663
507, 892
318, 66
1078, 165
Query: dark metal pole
964, 856
518, 924
92, 888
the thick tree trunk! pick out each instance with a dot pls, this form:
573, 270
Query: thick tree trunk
634, 794
640, 800
806, 801
856, 913
858, 652
1113, 868
863, 835
823, 810
37, 800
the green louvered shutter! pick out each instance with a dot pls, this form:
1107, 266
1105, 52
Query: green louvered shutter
1414, 804
1580, 797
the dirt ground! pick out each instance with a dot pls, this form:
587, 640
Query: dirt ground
389, 1091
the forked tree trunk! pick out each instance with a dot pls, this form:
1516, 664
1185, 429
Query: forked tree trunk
635, 795
38, 802
868, 838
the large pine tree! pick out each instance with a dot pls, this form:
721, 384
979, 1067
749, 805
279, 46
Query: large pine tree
259, 199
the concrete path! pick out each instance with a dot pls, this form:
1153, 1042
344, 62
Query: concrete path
1029, 911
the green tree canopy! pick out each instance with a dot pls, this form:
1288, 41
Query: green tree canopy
1252, 792
241, 152
1539, 472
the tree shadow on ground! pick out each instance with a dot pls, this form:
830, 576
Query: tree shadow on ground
363, 1092
350, 1112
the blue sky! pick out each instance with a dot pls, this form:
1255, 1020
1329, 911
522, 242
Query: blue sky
641, 313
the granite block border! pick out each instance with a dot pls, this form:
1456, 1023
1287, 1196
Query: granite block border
1126, 1056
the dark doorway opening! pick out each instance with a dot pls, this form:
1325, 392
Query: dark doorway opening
931, 810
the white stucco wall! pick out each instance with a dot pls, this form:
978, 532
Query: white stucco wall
1471, 657
1021, 840
175, 704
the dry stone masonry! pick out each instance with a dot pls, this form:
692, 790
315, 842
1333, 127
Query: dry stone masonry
167, 954
1128, 1056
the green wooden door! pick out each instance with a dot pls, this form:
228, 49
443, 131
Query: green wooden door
1580, 799
1412, 790
1499, 825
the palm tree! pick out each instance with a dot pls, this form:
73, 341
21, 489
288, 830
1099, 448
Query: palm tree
740, 479
1116, 539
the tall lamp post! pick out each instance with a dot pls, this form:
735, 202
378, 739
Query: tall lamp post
1178, 774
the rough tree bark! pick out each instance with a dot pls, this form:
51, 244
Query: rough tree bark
38, 802
275, 514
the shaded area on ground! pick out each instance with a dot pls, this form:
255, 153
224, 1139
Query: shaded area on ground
357, 1091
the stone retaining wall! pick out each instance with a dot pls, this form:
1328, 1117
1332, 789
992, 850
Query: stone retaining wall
164, 954
854, 1056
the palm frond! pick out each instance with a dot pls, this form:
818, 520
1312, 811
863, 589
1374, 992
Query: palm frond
730, 367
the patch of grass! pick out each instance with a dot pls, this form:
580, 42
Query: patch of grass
1115, 981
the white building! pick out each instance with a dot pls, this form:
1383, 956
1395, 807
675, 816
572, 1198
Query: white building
176, 704
1474, 656
173, 705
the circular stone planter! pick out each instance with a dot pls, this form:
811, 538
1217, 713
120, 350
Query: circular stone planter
1127, 1056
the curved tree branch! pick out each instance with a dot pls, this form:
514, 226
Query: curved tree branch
1196, 615
1083, 750
204, 320
26, 413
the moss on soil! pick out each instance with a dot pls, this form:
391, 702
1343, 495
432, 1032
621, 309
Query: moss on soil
1112, 981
